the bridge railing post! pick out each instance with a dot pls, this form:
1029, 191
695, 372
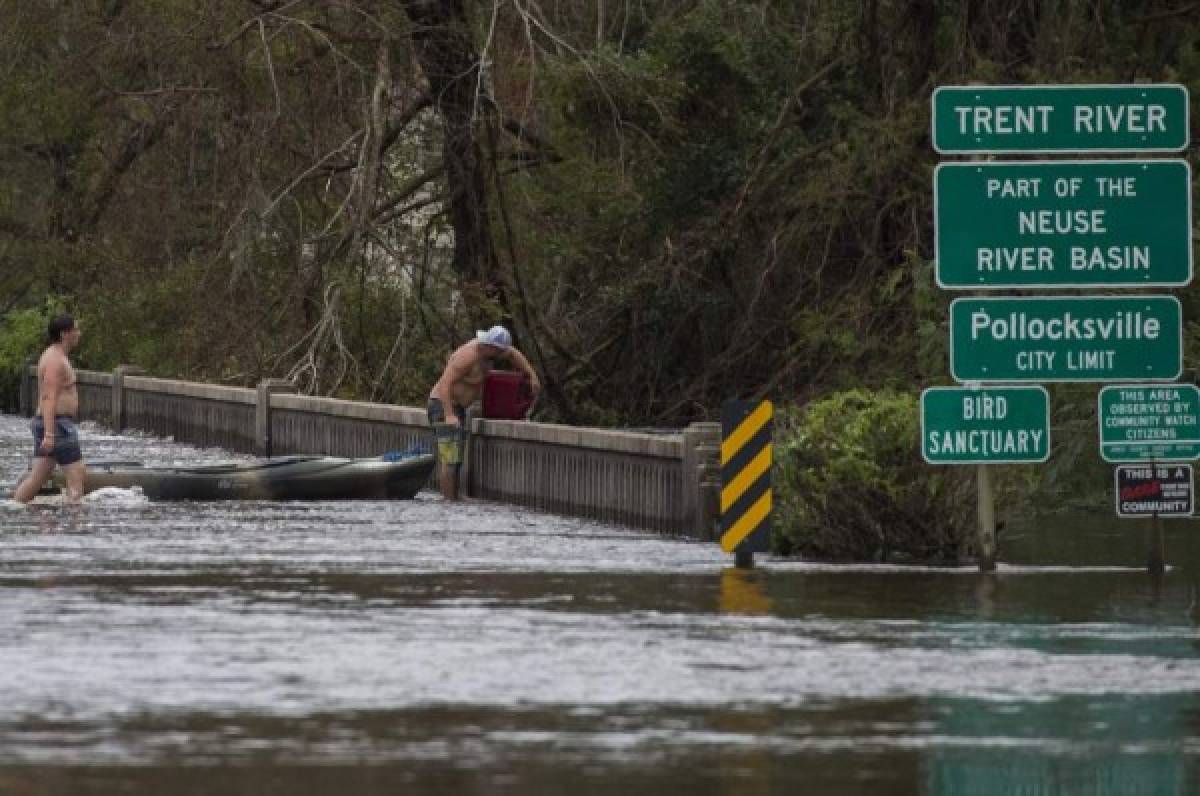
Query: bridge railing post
263, 442
702, 474
118, 393
27, 396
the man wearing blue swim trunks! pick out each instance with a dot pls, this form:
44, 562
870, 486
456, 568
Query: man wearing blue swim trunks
55, 436
460, 386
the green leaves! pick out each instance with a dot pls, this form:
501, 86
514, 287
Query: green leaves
22, 335
852, 485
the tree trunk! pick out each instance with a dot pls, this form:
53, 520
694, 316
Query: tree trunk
450, 60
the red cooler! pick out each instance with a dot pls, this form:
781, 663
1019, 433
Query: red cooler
507, 395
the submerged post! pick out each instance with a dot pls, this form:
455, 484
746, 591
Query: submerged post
1156, 557
262, 414
987, 518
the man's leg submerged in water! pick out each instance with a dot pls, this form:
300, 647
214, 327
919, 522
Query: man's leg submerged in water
448, 480
43, 466
450, 456
75, 474
450, 439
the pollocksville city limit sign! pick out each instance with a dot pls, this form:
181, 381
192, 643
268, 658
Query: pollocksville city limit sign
1077, 338
1097, 223
1066, 118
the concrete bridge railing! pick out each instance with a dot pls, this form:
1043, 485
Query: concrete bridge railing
664, 482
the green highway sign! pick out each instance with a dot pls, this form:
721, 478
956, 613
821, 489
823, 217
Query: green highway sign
1080, 338
1096, 223
1063, 118
1149, 421
985, 425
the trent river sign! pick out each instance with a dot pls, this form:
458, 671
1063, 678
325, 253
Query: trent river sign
1115, 223
1086, 338
1149, 421
985, 425
1081, 118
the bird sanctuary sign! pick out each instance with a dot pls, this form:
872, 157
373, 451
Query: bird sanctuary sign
985, 425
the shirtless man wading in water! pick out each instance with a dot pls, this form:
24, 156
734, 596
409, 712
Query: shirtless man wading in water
55, 437
460, 386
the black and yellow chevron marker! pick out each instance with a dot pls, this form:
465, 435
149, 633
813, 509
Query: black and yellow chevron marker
746, 429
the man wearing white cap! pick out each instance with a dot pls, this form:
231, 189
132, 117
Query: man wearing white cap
460, 386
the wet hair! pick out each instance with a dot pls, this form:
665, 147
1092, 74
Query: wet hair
57, 325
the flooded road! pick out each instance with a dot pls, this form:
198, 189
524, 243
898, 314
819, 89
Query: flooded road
421, 647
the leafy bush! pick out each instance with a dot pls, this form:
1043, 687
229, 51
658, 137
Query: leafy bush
21, 336
851, 484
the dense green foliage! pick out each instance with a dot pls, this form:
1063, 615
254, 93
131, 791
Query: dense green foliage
22, 332
672, 202
851, 484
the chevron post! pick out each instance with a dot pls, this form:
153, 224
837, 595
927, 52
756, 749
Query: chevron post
746, 430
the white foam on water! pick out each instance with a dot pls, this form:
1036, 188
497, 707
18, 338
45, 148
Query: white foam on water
7, 503
117, 496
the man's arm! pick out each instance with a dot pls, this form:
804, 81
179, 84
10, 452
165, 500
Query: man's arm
51, 386
518, 359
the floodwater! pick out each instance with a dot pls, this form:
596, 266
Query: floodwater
421, 647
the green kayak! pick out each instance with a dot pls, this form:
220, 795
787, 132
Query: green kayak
285, 478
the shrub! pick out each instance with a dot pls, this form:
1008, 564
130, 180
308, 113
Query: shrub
851, 483
21, 335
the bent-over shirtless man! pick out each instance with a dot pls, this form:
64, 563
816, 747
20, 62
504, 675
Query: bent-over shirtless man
55, 437
460, 386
